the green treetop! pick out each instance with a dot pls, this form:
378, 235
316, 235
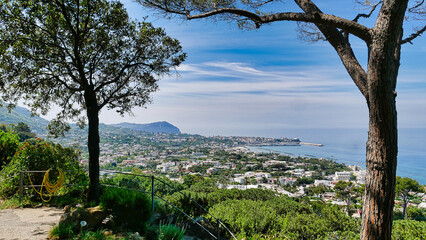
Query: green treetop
403, 188
83, 56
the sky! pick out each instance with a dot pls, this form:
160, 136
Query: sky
259, 82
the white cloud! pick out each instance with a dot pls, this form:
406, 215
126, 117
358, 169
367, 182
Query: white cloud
218, 97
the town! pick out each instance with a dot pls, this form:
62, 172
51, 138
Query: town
230, 163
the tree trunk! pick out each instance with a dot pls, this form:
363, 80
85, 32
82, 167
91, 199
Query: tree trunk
348, 206
404, 207
382, 144
381, 170
93, 145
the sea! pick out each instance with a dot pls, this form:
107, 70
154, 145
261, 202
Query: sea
349, 146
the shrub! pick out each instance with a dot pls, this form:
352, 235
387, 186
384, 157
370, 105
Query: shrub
129, 209
38, 154
418, 214
408, 230
63, 231
163, 186
247, 216
170, 232
8, 144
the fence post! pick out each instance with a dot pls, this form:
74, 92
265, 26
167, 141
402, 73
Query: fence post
152, 194
21, 186
218, 229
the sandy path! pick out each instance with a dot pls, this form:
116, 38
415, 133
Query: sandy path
28, 223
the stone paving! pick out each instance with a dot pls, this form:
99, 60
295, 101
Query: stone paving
28, 223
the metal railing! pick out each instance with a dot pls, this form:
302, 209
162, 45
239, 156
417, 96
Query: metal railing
22, 186
153, 195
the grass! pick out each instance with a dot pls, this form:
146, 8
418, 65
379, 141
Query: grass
12, 203
170, 232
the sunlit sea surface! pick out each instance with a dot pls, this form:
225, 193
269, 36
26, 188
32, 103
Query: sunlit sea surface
348, 146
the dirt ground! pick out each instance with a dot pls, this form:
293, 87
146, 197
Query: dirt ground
28, 223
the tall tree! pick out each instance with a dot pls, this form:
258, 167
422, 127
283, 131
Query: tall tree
23, 131
83, 56
344, 191
403, 188
376, 83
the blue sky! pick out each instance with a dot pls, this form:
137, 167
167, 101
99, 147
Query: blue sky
239, 82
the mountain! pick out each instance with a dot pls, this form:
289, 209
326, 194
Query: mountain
156, 127
38, 124
20, 114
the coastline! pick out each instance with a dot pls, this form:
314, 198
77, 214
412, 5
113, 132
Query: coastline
342, 154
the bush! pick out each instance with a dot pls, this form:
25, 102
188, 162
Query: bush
63, 231
247, 216
38, 154
408, 230
170, 232
418, 214
129, 209
144, 182
8, 144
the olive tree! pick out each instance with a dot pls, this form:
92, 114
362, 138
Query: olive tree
377, 82
83, 56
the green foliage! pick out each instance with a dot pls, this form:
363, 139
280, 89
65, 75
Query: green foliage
23, 131
247, 216
304, 226
16, 114
89, 235
316, 190
408, 230
120, 60
82, 56
250, 217
286, 218
403, 188
304, 181
170, 232
67, 231
418, 214
406, 185
63, 231
211, 196
8, 146
130, 209
12, 203
190, 179
38, 154
345, 191
163, 186
328, 223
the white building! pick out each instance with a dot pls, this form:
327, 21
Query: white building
342, 176
324, 183
165, 167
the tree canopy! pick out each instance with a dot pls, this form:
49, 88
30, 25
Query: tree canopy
83, 56
54, 51
403, 188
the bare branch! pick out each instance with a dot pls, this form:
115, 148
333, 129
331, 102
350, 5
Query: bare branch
414, 35
414, 9
374, 6
352, 27
309, 32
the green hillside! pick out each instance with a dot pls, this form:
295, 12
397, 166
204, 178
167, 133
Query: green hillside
38, 124
20, 114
